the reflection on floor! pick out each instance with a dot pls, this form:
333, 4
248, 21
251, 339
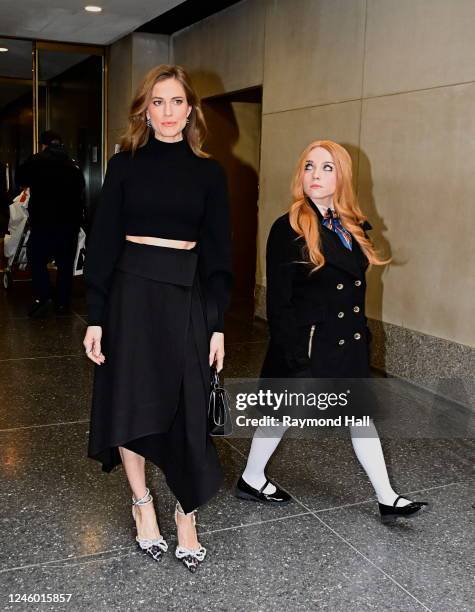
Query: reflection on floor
67, 528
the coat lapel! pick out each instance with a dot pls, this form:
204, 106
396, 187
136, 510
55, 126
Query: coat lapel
354, 261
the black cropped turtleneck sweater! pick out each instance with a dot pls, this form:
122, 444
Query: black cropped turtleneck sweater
163, 190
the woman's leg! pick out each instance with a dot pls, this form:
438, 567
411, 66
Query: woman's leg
264, 443
370, 454
367, 449
145, 517
186, 531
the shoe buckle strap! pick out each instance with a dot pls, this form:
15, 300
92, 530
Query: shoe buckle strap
261, 490
396, 500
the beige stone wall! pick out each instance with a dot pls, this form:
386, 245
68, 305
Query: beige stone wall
224, 52
392, 81
119, 89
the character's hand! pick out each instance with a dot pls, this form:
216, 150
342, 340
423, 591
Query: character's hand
216, 350
92, 344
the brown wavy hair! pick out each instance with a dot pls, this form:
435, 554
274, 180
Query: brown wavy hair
137, 132
303, 219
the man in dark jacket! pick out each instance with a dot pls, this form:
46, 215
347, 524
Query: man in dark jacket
55, 211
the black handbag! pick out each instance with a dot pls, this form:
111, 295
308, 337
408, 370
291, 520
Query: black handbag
219, 414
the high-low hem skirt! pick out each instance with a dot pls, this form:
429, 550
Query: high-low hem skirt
151, 394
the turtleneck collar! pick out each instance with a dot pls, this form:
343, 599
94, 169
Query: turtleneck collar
162, 147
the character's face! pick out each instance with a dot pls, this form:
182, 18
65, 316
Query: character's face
319, 178
168, 110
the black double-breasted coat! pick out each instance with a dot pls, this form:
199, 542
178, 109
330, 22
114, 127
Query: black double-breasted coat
316, 320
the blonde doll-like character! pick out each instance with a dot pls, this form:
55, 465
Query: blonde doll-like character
317, 256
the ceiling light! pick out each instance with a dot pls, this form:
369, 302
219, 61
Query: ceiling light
3, 49
93, 9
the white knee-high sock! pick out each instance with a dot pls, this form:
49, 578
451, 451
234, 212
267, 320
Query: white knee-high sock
368, 450
264, 443
370, 454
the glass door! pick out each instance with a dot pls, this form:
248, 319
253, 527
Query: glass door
69, 99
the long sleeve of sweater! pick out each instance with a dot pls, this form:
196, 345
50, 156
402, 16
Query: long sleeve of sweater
105, 242
215, 252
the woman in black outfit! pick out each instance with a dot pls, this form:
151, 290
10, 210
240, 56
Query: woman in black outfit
158, 276
317, 256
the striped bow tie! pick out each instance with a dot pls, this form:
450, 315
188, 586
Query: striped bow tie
332, 221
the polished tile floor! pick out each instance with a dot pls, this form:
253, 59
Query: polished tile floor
66, 527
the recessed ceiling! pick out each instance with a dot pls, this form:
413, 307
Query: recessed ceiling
16, 67
184, 14
67, 21
17, 62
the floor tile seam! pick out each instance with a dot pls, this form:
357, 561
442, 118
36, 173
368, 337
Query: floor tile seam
42, 357
60, 423
27, 318
14, 318
255, 523
361, 554
423, 395
105, 559
244, 457
80, 317
67, 561
343, 539
375, 499
308, 512
361, 472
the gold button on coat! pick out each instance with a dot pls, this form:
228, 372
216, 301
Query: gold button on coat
356, 308
339, 286
340, 342
357, 336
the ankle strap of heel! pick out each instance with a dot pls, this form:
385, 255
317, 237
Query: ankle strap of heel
146, 499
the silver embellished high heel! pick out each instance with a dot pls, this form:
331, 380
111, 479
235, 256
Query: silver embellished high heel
190, 558
155, 547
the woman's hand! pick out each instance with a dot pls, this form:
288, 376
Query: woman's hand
92, 344
216, 350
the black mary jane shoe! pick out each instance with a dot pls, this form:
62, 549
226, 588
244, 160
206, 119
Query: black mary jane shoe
390, 513
245, 491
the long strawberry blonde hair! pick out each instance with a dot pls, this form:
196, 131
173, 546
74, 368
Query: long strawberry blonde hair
137, 132
303, 219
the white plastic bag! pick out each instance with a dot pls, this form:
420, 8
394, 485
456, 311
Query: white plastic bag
80, 253
16, 224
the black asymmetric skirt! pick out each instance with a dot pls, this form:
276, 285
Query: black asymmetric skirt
151, 394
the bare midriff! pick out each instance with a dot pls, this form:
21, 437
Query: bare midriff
163, 242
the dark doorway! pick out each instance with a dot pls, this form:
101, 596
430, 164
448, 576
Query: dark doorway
234, 124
